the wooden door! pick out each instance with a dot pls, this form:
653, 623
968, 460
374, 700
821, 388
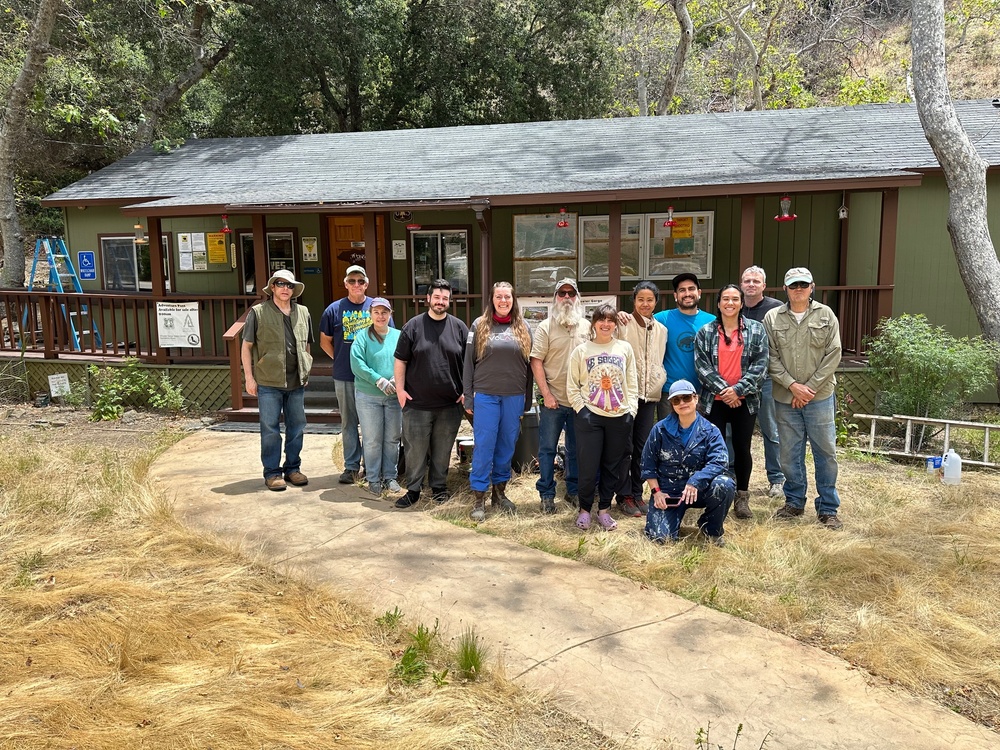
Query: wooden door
347, 248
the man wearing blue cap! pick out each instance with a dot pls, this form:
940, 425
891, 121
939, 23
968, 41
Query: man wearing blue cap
686, 464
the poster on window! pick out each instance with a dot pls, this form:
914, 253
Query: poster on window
178, 325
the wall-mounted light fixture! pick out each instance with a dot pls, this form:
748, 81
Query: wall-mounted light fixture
562, 223
785, 204
671, 221
140, 234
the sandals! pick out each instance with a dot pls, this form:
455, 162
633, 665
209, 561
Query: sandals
603, 518
606, 521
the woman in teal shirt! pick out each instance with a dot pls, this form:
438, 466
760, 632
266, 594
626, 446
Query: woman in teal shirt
372, 361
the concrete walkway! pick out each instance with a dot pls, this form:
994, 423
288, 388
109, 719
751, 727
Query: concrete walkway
636, 663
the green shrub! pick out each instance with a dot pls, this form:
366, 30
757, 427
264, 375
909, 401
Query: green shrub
925, 371
114, 388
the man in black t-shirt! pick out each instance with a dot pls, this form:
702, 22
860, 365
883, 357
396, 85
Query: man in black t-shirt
755, 307
429, 363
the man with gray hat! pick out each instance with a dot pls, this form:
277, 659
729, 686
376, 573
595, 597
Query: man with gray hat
553, 341
276, 364
804, 338
341, 322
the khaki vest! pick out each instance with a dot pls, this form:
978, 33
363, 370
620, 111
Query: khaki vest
269, 346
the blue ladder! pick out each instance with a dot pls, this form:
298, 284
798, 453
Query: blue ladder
61, 269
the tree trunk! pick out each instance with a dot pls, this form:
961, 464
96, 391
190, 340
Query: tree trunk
680, 56
964, 170
12, 124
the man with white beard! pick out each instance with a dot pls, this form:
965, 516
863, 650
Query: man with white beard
554, 340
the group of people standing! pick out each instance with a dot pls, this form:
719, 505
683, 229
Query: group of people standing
642, 397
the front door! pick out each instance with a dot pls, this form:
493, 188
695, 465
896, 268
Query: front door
347, 248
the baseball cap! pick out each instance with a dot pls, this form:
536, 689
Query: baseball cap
356, 269
381, 302
682, 277
680, 388
567, 282
798, 274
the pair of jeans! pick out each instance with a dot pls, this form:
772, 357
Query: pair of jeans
496, 424
740, 422
645, 418
271, 404
429, 433
348, 424
382, 425
814, 421
769, 431
551, 422
601, 443
664, 524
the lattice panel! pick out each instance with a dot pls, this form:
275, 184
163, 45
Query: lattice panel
206, 387
860, 386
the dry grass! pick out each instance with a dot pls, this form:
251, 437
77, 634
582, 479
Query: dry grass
907, 590
119, 628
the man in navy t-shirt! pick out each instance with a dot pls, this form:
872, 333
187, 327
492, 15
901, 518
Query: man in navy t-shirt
341, 322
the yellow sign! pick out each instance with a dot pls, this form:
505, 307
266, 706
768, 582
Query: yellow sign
683, 229
217, 248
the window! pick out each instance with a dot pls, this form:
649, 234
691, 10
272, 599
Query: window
127, 266
544, 252
650, 250
280, 251
440, 254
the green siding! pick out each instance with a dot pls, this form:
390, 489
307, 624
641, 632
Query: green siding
812, 240
864, 228
927, 279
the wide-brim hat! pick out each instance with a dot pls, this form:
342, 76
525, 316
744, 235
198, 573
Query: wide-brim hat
285, 275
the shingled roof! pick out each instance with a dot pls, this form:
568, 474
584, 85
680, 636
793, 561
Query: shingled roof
736, 152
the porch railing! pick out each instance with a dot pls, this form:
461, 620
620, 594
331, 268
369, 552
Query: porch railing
110, 325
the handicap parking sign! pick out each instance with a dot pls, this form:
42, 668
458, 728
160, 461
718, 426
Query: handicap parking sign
87, 264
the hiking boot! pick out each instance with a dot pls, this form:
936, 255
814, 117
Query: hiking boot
717, 541
831, 522
392, 486
478, 513
788, 511
572, 501
412, 497
440, 496
777, 489
500, 501
629, 507
642, 505
350, 476
296, 479
275, 483
741, 506
548, 505
375, 488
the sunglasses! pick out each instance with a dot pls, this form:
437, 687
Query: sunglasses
683, 399
284, 284
566, 293
799, 285
357, 282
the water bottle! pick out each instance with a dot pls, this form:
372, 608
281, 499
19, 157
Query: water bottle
952, 467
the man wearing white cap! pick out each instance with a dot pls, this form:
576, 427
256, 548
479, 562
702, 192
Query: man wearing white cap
341, 322
804, 338
276, 364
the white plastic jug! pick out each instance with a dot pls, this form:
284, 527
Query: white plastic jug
951, 467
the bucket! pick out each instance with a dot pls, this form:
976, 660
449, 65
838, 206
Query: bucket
41, 399
526, 447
